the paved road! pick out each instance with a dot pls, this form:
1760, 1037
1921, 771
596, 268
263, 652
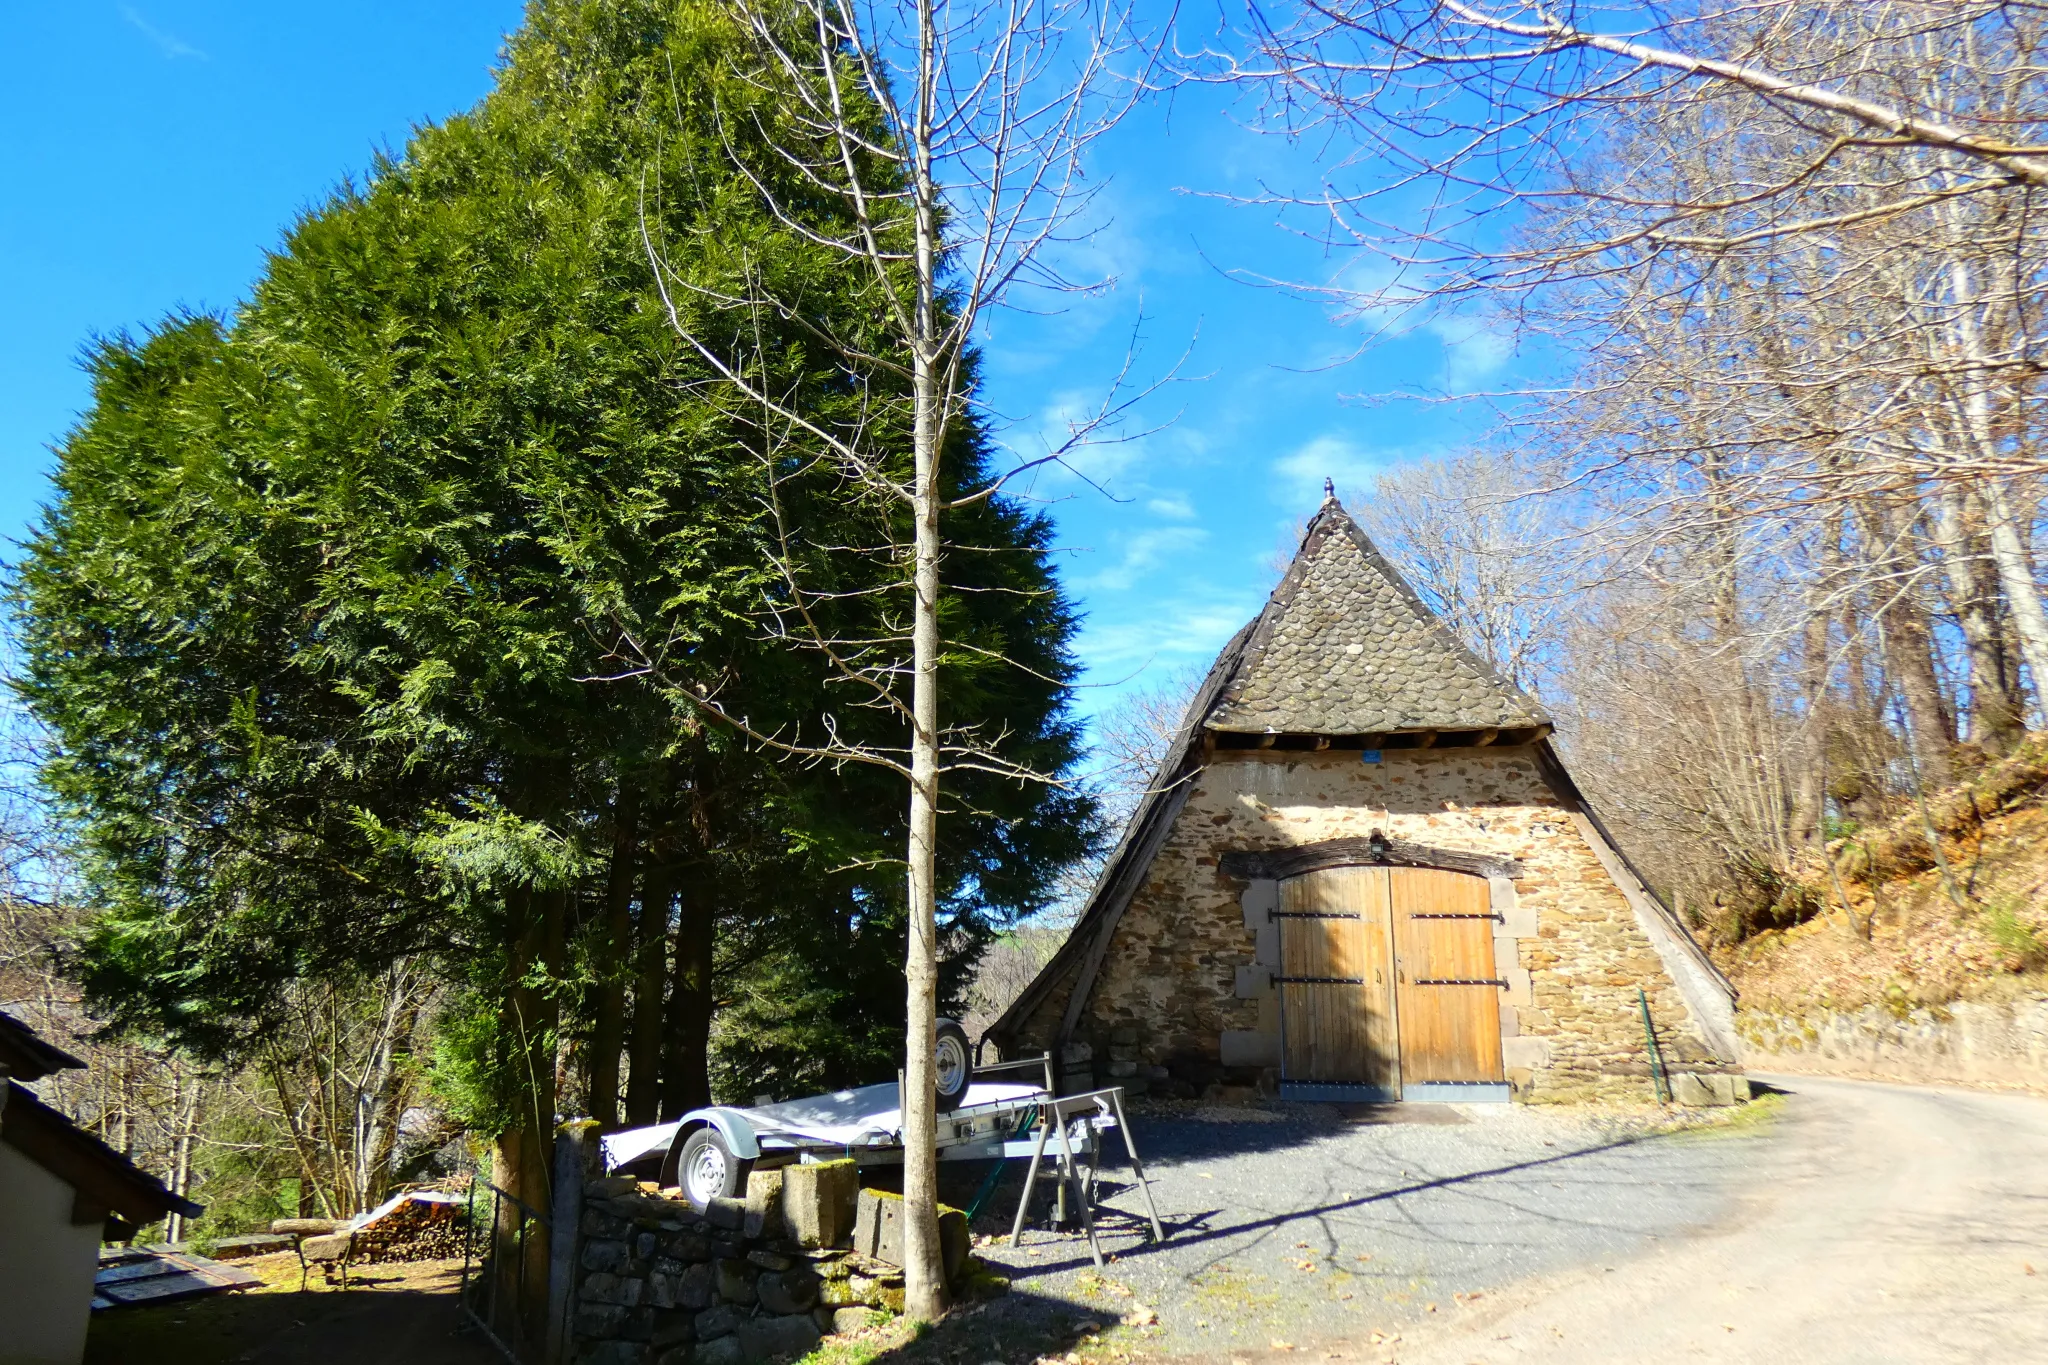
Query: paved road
1304, 1227
1897, 1224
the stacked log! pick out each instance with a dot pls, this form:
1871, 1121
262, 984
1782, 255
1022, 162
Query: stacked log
418, 1229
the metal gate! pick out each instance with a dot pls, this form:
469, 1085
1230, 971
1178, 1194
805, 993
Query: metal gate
505, 1261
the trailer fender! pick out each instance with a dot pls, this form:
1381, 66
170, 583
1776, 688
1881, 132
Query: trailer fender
731, 1124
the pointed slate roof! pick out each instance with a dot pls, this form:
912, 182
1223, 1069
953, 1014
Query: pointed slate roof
1345, 647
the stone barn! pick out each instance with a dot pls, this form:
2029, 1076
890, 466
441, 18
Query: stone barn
1363, 873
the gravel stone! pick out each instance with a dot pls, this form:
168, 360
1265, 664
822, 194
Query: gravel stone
1301, 1222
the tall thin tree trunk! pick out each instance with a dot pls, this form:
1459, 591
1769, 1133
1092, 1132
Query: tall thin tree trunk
520, 1159
686, 1043
1907, 642
2022, 592
643, 1078
923, 1264
1997, 717
614, 959
1809, 802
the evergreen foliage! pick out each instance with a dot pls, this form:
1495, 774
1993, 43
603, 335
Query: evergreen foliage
325, 615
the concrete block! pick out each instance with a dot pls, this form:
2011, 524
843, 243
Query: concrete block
1516, 920
1521, 989
1525, 1053
729, 1214
818, 1201
1123, 1070
1248, 1047
878, 1231
764, 1338
1266, 944
1254, 981
878, 1226
1260, 900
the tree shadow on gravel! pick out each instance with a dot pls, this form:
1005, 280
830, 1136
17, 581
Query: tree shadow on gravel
1130, 1231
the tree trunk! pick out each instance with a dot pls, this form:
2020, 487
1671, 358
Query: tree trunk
1809, 801
1908, 643
520, 1165
2022, 592
613, 959
1997, 717
530, 1019
924, 1291
686, 1045
643, 1080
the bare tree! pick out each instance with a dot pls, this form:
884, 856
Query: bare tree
1494, 559
946, 143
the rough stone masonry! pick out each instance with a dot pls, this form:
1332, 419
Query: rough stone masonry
660, 1281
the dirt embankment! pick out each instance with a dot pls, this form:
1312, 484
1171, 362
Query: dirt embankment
1920, 966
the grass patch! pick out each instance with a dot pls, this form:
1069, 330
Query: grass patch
1737, 1120
882, 1335
2022, 943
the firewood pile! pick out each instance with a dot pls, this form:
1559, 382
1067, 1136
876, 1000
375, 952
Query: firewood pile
415, 1227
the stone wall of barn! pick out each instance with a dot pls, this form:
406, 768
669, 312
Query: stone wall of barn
1176, 1009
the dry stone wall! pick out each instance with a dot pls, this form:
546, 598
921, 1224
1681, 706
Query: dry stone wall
1178, 1004
1967, 1042
659, 1281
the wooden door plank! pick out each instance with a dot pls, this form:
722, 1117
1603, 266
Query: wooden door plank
1443, 932
1339, 1031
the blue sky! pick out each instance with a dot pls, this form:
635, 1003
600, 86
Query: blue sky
162, 146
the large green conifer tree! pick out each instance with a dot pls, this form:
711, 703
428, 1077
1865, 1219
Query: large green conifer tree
327, 621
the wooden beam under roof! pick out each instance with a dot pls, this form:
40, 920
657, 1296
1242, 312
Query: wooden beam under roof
1284, 742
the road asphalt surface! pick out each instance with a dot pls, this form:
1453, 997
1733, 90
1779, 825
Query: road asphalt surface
1867, 1223
1886, 1223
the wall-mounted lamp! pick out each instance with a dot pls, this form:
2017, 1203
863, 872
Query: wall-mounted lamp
1379, 846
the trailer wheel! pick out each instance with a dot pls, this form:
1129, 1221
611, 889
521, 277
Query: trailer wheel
955, 1065
708, 1170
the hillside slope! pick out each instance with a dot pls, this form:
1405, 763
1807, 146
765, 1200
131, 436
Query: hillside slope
1931, 972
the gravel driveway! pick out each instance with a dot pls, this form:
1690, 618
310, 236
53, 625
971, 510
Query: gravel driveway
1307, 1224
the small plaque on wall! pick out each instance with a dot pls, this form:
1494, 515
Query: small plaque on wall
1369, 756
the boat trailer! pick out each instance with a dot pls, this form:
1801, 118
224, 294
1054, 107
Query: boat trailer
710, 1152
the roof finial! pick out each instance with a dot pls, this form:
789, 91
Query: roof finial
1329, 491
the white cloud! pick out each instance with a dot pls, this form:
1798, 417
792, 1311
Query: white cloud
1302, 471
1142, 553
171, 47
1475, 350
1174, 505
1168, 634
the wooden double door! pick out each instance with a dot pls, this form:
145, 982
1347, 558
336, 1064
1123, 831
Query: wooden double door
1387, 982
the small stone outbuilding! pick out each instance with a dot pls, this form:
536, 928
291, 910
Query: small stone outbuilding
1363, 873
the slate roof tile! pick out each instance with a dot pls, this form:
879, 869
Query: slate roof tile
1345, 647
